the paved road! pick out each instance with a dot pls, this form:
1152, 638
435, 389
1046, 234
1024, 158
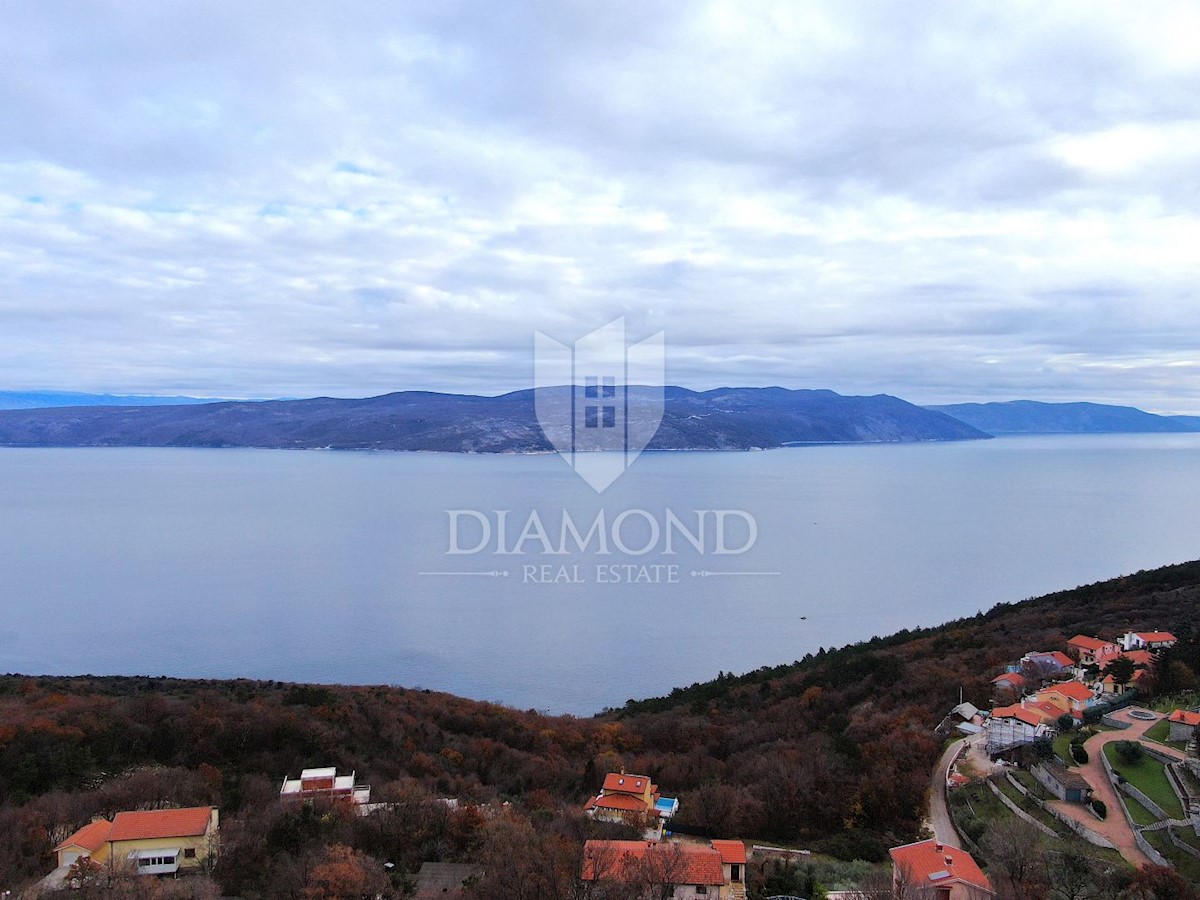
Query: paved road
1115, 827
940, 821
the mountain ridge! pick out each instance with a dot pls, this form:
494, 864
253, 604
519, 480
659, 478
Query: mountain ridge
1038, 417
719, 419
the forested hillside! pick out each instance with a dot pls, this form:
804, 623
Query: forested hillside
834, 750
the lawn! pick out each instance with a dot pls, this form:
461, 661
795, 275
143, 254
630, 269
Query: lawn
1188, 866
1140, 814
1159, 733
1032, 784
1032, 808
1150, 777
1062, 748
1188, 836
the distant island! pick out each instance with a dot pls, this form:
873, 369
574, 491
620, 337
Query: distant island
721, 419
738, 418
1032, 417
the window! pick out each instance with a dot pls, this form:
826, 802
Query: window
189, 853
701, 889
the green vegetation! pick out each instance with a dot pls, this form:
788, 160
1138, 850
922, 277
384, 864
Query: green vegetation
1062, 749
1187, 865
1137, 812
1149, 776
1159, 733
1027, 805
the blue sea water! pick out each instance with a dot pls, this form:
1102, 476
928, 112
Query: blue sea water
309, 566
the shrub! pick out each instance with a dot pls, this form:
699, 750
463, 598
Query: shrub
1101, 808
1079, 754
854, 844
1130, 752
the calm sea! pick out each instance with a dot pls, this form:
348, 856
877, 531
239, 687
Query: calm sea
315, 566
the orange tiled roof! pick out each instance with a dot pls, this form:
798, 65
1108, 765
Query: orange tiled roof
617, 801
1047, 711
1185, 717
1016, 679
668, 863
1016, 711
732, 852
160, 823
928, 863
1089, 643
1156, 637
90, 837
1072, 689
617, 783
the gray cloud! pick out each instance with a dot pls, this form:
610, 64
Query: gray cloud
944, 201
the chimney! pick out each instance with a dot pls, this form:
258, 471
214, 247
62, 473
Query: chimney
939, 846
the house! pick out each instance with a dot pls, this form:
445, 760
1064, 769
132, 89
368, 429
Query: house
733, 860
1184, 725
1046, 663
631, 799
152, 842
1144, 659
687, 870
1069, 697
1014, 726
1062, 782
1147, 640
1090, 651
938, 871
324, 784
1011, 681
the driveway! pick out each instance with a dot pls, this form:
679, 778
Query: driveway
1116, 828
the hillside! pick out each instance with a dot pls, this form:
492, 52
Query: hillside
46, 399
1033, 417
724, 419
832, 751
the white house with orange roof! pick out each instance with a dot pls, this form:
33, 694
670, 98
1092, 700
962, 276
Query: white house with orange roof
1148, 640
937, 871
149, 842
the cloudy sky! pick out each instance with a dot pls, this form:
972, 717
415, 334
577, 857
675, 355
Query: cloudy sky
944, 201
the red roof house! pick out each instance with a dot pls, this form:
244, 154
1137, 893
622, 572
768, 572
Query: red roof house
649, 862
154, 842
1091, 651
1185, 725
624, 797
733, 860
940, 870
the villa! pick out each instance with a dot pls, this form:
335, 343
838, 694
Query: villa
151, 842
633, 800
1148, 640
324, 784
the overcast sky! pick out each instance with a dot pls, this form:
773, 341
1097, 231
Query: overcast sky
943, 201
